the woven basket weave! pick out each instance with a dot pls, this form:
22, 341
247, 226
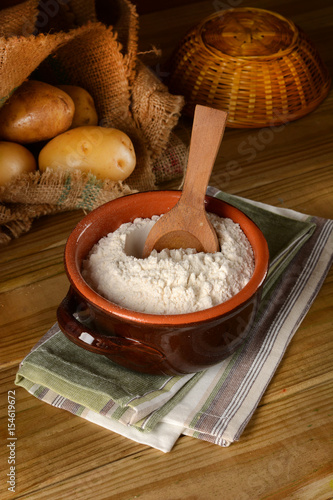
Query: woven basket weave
253, 63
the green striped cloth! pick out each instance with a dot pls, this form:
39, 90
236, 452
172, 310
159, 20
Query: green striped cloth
214, 405
91, 381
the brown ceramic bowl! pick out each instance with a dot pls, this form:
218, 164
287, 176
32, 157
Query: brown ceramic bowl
151, 343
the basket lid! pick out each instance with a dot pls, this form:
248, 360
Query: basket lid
252, 63
247, 32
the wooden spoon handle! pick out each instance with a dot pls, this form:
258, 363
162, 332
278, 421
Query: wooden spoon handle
207, 133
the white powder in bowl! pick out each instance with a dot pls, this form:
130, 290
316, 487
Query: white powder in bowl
171, 281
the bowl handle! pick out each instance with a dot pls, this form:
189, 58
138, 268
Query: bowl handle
95, 342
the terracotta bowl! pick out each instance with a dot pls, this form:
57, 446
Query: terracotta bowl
151, 343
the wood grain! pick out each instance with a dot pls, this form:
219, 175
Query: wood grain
186, 225
286, 450
284, 430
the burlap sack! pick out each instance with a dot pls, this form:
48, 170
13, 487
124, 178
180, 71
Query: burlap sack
62, 41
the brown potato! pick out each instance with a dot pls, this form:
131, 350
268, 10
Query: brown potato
35, 112
15, 160
85, 111
107, 153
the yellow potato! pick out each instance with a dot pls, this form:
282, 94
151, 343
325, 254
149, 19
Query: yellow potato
35, 112
15, 160
107, 153
85, 111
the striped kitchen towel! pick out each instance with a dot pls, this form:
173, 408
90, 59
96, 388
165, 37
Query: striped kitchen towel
214, 405
67, 376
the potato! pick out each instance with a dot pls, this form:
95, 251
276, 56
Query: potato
85, 111
35, 112
107, 153
15, 159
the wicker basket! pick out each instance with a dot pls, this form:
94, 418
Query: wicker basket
253, 63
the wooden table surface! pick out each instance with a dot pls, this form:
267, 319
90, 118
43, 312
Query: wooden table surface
286, 450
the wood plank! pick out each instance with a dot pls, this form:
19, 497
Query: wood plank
27, 314
288, 381
278, 434
46, 232
308, 361
312, 19
278, 172
286, 449
48, 438
296, 376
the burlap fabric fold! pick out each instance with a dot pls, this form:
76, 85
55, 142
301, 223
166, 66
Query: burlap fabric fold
64, 42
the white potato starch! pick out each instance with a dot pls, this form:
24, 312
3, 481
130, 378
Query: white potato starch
171, 281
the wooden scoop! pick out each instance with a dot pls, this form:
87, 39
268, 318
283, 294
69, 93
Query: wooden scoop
186, 225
